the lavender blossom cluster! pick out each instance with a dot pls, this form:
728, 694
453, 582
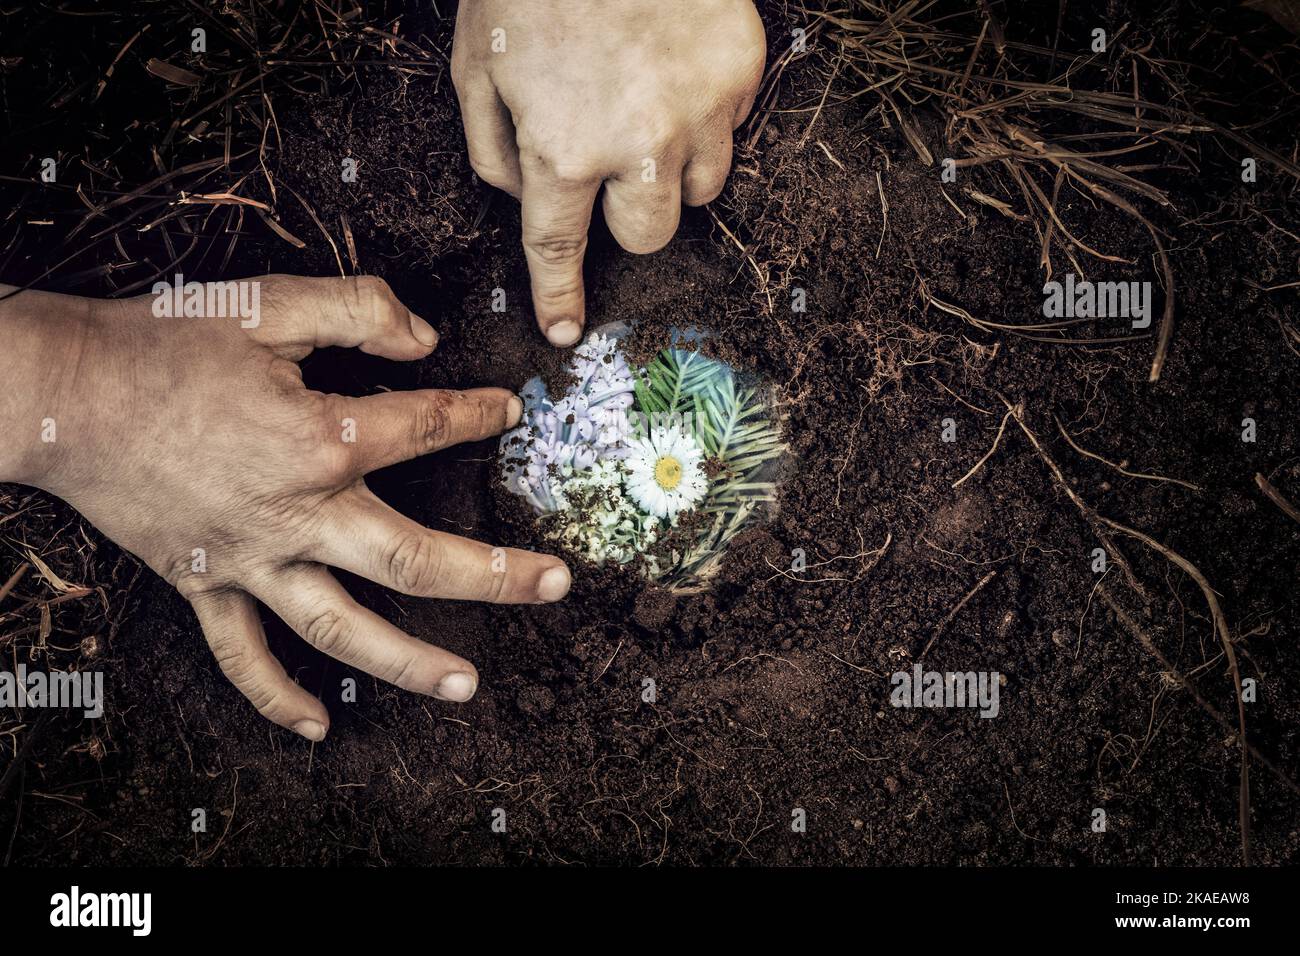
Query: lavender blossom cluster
589, 424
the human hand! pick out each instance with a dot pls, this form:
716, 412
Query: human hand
193, 443
560, 96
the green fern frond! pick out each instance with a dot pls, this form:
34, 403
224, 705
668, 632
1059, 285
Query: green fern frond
733, 427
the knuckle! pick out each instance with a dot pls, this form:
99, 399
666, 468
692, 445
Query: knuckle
238, 666
370, 299
558, 294
574, 170
558, 250
487, 417
492, 172
405, 673
465, 65
179, 573
567, 163
371, 286
653, 138
434, 423
328, 631
496, 586
269, 703
459, 69
704, 189
325, 438
334, 458
643, 234
559, 297
413, 562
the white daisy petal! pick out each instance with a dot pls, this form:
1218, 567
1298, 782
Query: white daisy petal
665, 474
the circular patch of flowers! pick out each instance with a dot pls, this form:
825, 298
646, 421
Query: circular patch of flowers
664, 463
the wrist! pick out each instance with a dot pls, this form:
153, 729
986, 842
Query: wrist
45, 337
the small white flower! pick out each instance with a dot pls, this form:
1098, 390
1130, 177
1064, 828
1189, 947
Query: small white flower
596, 519
665, 473
588, 425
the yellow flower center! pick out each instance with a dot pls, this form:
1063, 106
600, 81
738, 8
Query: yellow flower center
668, 472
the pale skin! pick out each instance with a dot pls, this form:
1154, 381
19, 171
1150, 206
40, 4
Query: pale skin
193, 443
563, 97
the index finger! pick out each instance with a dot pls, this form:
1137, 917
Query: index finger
397, 426
556, 209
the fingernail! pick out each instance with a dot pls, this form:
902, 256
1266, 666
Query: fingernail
514, 412
554, 583
458, 687
310, 729
423, 331
563, 334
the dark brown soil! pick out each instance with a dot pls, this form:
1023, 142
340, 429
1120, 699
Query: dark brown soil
772, 691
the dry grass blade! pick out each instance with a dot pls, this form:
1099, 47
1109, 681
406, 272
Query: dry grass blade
225, 129
282, 232
12, 582
52, 579
1002, 117
321, 226
172, 73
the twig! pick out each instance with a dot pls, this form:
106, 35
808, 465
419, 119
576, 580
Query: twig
876, 554
1221, 628
1078, 646
610, 661
1149, 646
954, 612
973, 408
1272, 493
1120, 468
13, 580
884, 214
1220, 622
856, 667
1013, 816
994, 447
1094, 520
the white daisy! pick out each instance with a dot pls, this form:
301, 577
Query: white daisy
665, 473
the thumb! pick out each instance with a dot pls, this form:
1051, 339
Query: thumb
556, 215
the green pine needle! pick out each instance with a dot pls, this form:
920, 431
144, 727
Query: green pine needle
733, 426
